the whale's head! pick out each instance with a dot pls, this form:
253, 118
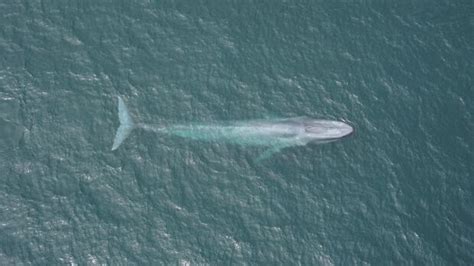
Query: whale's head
326, 130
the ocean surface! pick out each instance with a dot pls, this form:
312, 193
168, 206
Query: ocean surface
398, 192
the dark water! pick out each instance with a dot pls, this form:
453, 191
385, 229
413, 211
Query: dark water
398, 192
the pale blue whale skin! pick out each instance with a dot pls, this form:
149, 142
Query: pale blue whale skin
275, 134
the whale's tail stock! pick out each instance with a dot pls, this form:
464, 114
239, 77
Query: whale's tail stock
126, 124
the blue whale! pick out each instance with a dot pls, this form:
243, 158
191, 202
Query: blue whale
275, 134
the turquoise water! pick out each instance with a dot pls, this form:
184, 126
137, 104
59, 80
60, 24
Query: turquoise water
400, 191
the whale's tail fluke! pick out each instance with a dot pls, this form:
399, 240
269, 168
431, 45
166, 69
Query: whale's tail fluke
126, 124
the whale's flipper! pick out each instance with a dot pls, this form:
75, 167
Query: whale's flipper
268, 153
126, 124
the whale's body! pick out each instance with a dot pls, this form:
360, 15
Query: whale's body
275, 134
